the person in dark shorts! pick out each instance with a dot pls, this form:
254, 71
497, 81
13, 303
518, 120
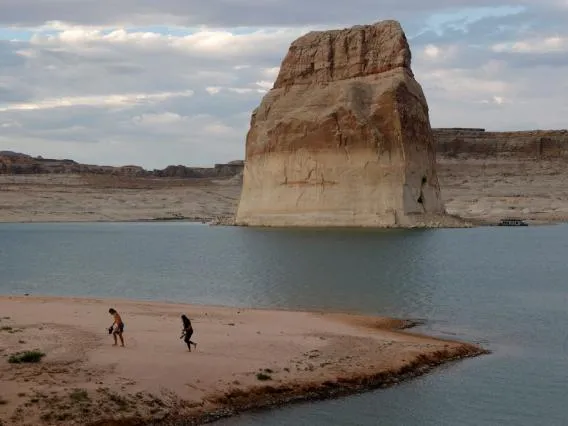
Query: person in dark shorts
187, 332
117, 327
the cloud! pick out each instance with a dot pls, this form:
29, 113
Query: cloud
537, 45
175, 82
432, 51
110, 100
223, 13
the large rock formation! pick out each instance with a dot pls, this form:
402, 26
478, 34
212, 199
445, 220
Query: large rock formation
343, 138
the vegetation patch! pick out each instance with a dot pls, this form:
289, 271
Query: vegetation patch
26, 357
79, 395
263, 376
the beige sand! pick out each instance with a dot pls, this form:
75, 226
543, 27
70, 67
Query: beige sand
481, 190
84, 379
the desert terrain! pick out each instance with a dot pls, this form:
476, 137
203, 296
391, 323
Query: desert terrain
245, 358
487, 190
91, 198
482, 190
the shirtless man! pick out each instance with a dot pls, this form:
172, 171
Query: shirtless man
117, 327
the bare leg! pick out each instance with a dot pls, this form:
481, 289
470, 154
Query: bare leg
114, 336
121, 339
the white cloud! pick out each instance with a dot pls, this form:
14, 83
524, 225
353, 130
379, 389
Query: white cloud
535, 45
116, 85
463, 85
265, 85
271, 73
9, 123
240, 90
157, 118
213, 90
206, 42
112, 100
217, 129
432, 51
498, 100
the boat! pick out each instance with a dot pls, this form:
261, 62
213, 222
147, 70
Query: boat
511, 221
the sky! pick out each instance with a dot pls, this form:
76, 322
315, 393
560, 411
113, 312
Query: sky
155, 83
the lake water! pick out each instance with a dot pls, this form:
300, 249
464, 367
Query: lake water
505, 288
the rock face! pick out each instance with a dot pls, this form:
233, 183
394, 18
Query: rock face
343, 138
477, 143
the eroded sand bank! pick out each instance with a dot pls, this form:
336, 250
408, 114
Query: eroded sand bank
245, 358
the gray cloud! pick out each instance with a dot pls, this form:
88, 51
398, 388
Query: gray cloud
230, 13
117, 97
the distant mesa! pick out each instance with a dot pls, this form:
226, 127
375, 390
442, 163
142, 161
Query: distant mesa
343, 138
13, 163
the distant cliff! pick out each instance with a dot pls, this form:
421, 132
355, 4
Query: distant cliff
471, 142
14, 163
450, 143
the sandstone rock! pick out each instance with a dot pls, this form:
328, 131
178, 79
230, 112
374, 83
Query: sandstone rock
477, 143
343, 138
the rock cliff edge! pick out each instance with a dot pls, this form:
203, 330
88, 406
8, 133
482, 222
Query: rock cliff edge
343, 138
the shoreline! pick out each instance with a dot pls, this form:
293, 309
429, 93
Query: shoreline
246, 359
237, 402
228, 221
470, 223
478, 191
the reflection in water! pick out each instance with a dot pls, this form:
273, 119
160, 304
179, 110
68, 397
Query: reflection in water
340, 270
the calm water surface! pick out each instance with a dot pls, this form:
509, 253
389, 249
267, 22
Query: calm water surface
505, 288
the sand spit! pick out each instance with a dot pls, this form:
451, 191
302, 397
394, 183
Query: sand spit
245, 359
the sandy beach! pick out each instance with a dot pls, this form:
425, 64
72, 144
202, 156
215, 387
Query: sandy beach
245, 358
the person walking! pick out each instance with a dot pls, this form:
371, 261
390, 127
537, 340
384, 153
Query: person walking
187, 332
117, 327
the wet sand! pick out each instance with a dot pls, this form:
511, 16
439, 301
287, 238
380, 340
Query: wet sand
245, 358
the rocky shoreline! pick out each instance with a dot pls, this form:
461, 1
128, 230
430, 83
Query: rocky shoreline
265, 397
481, 191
